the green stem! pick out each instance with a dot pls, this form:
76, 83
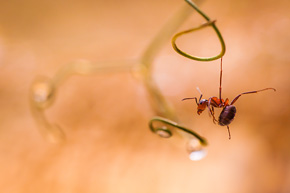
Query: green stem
83, 67
209, 23
175, 125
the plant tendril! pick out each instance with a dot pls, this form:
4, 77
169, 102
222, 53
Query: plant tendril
207, 24
165, 130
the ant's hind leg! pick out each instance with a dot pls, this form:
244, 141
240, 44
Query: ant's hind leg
229, 132
221, 74
256, 91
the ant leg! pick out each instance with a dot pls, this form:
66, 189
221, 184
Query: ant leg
208, 105
211, 108
256, 91
190, 98
221, 74
211, 113
229, 132
213, 117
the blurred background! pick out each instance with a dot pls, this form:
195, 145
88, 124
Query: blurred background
109, 147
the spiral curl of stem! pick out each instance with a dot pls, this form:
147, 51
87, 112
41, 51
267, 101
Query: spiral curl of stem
165, 129
209, 23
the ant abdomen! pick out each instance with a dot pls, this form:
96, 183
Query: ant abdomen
227, 115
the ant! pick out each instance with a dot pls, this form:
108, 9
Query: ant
229, 110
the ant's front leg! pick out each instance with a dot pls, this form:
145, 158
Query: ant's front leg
213, 102
251, 92
191, 98
212, 114
210, 109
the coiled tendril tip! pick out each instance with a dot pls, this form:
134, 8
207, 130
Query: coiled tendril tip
165, 132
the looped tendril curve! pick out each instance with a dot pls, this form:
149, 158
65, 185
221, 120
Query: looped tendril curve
165, 132
207, 24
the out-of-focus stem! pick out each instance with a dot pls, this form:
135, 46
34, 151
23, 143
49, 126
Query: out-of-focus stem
83, 67
158, 102
43, 91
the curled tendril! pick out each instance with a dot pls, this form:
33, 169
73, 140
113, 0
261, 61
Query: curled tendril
43, 92
207, 24
165, 132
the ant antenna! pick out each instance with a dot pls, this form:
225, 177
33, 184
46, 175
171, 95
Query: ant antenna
199, 93
195, 97
198, 90
229, 132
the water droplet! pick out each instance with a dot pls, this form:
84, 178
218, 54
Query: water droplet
196, 150
197, 155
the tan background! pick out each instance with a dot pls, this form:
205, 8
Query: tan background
109, 147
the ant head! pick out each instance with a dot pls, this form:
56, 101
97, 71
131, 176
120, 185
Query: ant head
201, 106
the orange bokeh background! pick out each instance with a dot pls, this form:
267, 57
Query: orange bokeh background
109, 147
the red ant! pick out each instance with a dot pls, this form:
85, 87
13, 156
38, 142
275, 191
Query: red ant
229, 110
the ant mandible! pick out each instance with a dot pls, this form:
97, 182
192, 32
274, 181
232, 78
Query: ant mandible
229, 110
